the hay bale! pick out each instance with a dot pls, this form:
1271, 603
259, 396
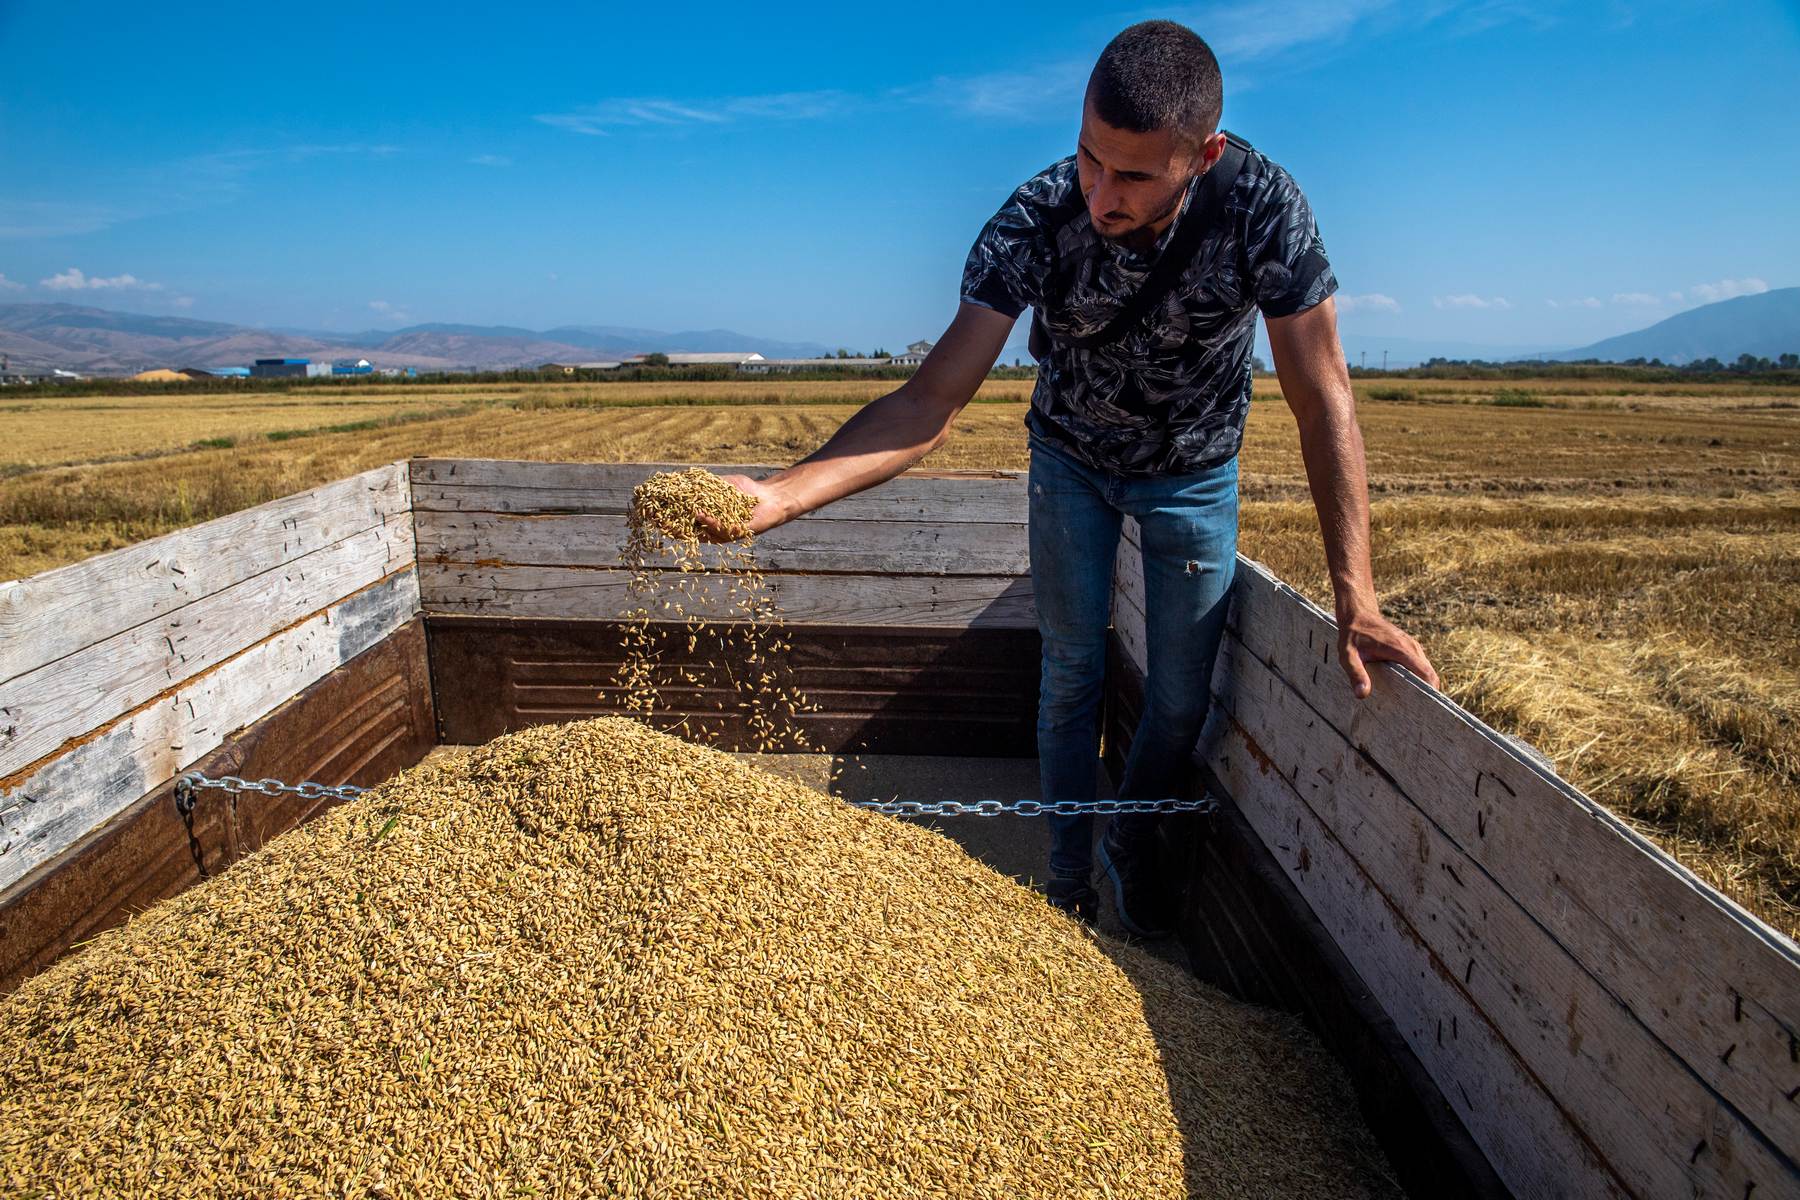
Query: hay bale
592, 959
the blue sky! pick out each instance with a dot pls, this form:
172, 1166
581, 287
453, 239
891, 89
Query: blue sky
1527, 174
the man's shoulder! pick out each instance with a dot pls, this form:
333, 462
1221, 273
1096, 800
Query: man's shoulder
1056, 186
1261, 182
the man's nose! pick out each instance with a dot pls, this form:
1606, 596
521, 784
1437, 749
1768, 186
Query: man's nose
1105, 196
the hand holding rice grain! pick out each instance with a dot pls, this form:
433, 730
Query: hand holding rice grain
673, 502
591, 959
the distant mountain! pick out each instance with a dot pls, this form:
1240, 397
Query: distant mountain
103, 342
100, 341
1766, 325
618, 339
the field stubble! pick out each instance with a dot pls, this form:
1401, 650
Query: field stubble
1611, 572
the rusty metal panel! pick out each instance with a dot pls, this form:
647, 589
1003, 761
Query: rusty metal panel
1250, 933
888, 690
362, 723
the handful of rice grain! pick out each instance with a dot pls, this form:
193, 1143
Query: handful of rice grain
671, 502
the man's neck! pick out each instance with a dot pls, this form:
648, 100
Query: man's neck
1143, 240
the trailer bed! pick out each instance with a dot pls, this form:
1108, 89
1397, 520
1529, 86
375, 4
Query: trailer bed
1531, 997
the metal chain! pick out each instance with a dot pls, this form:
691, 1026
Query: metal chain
1031, 808
191, 782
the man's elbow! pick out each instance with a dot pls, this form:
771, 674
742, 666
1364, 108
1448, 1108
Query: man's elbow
1324, 412
939, 437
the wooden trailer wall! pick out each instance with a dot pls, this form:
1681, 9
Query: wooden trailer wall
1602, 1022
120, 672
908, 606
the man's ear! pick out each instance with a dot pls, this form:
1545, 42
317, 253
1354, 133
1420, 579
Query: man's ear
1211, 150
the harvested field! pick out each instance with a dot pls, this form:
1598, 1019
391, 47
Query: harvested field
1606, 569
590, 958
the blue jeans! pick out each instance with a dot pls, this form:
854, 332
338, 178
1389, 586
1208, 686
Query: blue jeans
1189, 536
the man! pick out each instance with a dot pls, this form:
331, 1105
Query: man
1146, 272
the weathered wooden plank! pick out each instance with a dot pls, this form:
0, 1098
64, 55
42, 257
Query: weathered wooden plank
496, 485
878, 689
360, 723
60, 802
575, 592
813, 543
1640, 1105
1533, 1145
1720, 988
49, 615
85, 689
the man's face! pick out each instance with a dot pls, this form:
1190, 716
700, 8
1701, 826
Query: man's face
1133, 182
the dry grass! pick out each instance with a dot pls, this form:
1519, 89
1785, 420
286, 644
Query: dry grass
58, 431
591, 959
1612, 575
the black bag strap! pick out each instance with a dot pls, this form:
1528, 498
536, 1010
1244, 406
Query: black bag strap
1202, 214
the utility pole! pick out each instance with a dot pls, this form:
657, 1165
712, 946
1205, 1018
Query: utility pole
1384, 360
1362, 360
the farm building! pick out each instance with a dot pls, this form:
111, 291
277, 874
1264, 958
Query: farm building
915, 354
729, 358
352, 366
784, 366
551, 368
288, 368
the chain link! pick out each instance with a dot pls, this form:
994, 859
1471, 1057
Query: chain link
191, 782
1031, 808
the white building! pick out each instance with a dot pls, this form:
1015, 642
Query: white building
551, 368
915, 354
729, 358
782, 366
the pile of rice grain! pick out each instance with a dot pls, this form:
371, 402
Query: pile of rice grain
593, 960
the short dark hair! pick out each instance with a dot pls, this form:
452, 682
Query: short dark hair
1158, 75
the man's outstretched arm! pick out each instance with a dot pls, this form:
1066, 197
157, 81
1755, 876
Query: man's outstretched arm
1310, 364
888, 435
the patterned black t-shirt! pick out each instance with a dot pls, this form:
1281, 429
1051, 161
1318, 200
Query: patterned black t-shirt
1170, 396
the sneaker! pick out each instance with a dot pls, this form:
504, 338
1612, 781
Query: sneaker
1143, 903
1074, 897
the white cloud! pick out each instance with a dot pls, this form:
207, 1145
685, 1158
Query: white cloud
1371, 302
1726, 289
155, 189
1582, 302
1241, 32
182, 301
1470, 300
49, 218
1005, 94
396, 312
1637, 299
1675, 297
603, 117
73, 280
491, 160
8, 285
1261, 30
